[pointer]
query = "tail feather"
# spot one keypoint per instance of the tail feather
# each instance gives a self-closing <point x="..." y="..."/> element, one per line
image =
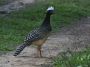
<point x="20" y="49"/>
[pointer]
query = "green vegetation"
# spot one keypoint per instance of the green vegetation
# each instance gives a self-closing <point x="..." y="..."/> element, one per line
<point x="16" y="25"/>
<point x="2" y="2"/>
<point x="77" y="59"/>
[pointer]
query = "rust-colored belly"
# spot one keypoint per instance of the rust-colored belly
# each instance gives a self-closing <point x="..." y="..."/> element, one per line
<point x="39" y="42"/>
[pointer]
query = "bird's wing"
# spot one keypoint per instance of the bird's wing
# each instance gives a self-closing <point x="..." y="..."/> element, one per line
<point x="33" y="36"/>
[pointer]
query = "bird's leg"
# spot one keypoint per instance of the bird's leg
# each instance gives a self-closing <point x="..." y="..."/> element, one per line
<point x="39" y="51"/>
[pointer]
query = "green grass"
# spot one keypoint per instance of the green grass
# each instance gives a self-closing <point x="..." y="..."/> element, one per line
<point x="16" y="25"/>
<point x="2" y="2"/>
<point x="76" y="59"/>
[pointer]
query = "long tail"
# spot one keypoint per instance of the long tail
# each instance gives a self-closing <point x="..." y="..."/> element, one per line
<point x="20" y="49"/>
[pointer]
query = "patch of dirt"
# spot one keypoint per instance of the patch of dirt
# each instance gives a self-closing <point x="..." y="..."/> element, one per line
<point x="75" y="38"/>
<point x="15" y="5"/>
<point x="27" y="1"/>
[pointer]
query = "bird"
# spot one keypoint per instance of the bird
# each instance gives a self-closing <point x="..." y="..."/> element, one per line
<point x="39" y="35"/>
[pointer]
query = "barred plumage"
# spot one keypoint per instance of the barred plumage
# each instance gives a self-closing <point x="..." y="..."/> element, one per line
<point x="19" y="49"/>
<point x="37" y="36"/>
<point x="32" y="36"/>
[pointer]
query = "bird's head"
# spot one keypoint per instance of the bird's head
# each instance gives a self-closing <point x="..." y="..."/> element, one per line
<point x="50" y="10"/>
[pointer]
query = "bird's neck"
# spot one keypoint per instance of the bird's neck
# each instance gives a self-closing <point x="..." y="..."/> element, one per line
<point x="46" y="21"/>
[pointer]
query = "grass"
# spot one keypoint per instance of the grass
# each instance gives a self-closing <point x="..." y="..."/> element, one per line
<point x="16" y="25"/>
<point x="2" y="2"/>
<point x="76" y="59"/>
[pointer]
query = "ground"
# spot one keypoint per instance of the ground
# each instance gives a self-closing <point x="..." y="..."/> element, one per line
<point x="15" y="5"/>
<point x="75" y="37"/>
